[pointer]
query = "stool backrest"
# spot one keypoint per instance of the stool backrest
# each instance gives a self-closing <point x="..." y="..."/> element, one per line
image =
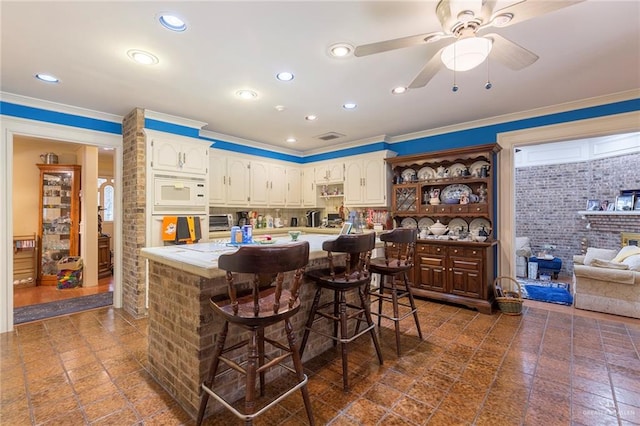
<point x="399" y="246"/>
<point x="268" y="264"/>
<point x="357" y="248"/>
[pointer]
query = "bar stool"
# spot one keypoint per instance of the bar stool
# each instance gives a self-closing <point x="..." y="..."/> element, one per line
<point x="341" y="278"/>
<point x="399" y="248"/>
<point x="262" y="305"/>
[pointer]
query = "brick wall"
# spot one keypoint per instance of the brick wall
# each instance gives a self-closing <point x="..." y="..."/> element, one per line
<point x="134" y="212"/>
<point x="549" y="197"/>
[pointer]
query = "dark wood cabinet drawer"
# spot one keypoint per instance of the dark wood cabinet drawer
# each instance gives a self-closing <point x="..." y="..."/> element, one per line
<point x="431" y="249"/>
<point x="465" y="252"/>
<point x="478" y="208"/>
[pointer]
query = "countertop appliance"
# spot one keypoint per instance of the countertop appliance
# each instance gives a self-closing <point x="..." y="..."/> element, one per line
<point x="220" y="222"/>
<point x="313" y="218"/>
<point x="243" y="218"/>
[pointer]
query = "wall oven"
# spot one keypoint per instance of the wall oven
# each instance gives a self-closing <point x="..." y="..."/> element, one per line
<point x="179" y="194"/>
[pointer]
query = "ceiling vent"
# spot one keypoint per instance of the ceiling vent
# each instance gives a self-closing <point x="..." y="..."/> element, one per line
<point x="330" y="136"/>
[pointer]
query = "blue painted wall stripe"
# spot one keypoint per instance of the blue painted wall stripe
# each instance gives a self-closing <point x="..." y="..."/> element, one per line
<point x="39" y="114"/>
<point x="470" y="137"/>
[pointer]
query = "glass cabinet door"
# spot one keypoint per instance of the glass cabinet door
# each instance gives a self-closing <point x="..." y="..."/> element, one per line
<point x="405" y="199"/>
<point x="59" y="218"/>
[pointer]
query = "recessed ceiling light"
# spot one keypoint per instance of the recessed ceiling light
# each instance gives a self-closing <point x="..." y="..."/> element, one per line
<point x="107" y="148"/>
<point x="291" y="140"/>
<point x="172" y="22"/>
<point x="340" y="50"/>
<point x="311" y="117"/>
<point x="48" y="78"/>
<point x="349" y="105"/>
<point x="399" y="90"/>
<point x="142" y="57"/>
<point x="284" y="76"/>
<point x="502" y="20"/>
<point x="280" y="108"/>
<point x="246" y="94"/>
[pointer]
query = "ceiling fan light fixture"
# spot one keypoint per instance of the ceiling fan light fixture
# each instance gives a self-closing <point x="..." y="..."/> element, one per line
<point x="466" y="53"/>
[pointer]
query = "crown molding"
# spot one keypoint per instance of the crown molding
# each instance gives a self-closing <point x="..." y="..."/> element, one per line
<point x="537" y="112"/>
<point x="168" y="118"/>
<point x="58" y="107"/>
<point x="248" y="143"/>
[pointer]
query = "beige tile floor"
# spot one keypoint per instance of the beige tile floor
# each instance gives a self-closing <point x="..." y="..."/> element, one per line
<point x="553" y="365"/>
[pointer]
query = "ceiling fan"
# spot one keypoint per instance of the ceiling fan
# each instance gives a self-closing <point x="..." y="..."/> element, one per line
<point x="464" y="20"/>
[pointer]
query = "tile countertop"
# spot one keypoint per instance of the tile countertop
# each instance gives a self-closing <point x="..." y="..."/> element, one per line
<point x="202" y="258"/>
<point x="277" y="231"/>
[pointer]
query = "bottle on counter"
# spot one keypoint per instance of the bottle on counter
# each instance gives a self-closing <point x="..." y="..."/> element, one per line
<point x="247" y="234"/>
<point x="236" y="235"/>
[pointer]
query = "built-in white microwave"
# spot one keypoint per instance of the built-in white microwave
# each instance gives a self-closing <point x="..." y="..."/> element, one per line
<point x="178" y="193"/>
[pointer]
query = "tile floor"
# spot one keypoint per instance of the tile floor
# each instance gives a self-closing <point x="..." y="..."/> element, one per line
<point x="553" y="365"/>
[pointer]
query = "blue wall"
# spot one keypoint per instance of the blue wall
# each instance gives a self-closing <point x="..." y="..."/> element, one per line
<point x="476" y="136"/>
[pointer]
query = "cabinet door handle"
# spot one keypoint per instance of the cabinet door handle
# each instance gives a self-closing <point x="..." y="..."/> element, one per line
<point x="184" y="158"/>
<point x="224" y="180"/>
<point x="229" y="180"/>
<point x="455" y="251"/>
<point x="475" y="252"/>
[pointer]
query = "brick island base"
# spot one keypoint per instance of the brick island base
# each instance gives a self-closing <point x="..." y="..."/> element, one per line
<point x="183" y="330"/>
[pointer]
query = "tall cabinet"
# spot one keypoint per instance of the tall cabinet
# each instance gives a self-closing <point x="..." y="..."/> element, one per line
<point x="59" y="218"/>
<point x="456" y="188"/>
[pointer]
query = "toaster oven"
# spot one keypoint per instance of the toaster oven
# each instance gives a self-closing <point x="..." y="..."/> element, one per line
<point x="220" y="222"/>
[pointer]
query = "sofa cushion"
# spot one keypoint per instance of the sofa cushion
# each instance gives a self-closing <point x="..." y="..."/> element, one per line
<point x="522" y="247"/>
<point x="598" y="253"/>
<point x="633" y="262"/>
<point x="608" y="264"/>
<point x="614" y="276"/>
<point x="625" y="252"/>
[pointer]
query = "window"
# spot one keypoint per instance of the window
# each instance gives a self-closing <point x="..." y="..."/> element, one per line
<point x="105" y="198"/>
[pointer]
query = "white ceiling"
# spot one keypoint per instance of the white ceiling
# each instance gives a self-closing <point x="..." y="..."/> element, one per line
<point x="586" y="50"/>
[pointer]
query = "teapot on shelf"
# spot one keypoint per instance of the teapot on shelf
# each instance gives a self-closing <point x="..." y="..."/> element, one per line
<point x="442" y="172"/>
<point x="438" y="228"/>
<point x="49" y="158"/>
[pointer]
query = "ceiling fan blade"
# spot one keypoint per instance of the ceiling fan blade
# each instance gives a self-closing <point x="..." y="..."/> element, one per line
<point x="528" y="9"/>
<point x="428" y="72"/>
<point x="509" y="53"/>
<point x="398" y="43"/>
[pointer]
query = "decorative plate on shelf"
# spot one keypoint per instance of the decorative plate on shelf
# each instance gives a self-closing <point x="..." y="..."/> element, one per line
<point x="408" y="175"/>
<point x="456" y="169"/>
<point x="474" y="169"/>
<point x="478" y="223"/>
<point x="458" y="223"/>
<point x="409" y="222"/>
<point x="426" y="173"/>
<point x="453" y="192"/>
<point x="425" y="222"/>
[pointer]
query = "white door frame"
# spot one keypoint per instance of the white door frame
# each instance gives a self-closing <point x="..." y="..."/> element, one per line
<point x="582" y="129"/>
<point x="11" y="127"/>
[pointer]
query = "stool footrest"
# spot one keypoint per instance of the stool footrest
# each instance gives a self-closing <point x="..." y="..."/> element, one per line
<point x="250" y="417"/>
<point x="389" y="297"/>
<point x="400" y="318"/>
<point x="342" y="339"/>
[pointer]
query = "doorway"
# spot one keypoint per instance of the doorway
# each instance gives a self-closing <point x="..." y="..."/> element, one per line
<point x="25" y="203"/>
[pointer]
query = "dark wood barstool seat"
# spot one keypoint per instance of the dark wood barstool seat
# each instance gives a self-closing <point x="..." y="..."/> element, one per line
<point x="265" y="302"/>
<point x="352" y="275"/>
<point x="399" y="249"/>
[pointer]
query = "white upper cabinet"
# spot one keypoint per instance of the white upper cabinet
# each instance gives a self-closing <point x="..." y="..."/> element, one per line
<point x="309" y="198"/>
<point x="178" y="154"/>
<point x="293" y="197"/>
<point x="367" y="180"/>
<point x="228" y="180"/>
<point x="326" y="173"/>
<point x="268" y="184"/>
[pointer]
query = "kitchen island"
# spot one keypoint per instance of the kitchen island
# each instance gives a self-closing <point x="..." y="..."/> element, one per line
<point x="183" y="328"/>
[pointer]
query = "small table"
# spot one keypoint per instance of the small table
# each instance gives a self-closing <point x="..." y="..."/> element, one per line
<point x="548" y="265"/>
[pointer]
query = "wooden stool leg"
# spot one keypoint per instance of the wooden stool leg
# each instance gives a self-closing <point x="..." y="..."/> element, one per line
<point x="336" y="314"/>
<point x="312" y="317"/>
<point x="381" y="291"/>
<point x="215" y="361"/>
<point x="344" y="331"/>
<point x="413" y="304"/>
<point x="370" y="322"/>
<point x="261" y="358"/>
<point x="297" y="365"/>
<point x="252" y="367"/>
<point x="396" y="311"/>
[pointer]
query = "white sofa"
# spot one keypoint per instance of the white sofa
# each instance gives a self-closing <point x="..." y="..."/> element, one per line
<point x="608" y="281"/>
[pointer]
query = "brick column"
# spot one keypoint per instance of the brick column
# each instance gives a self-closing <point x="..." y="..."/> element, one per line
<point x="134" y="212"/>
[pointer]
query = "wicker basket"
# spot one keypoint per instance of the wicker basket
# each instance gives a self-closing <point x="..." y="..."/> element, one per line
<point x="509" y="301"/>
